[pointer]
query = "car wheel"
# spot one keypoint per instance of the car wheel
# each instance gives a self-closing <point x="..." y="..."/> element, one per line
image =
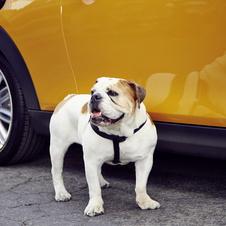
<point x="18" y="140"/>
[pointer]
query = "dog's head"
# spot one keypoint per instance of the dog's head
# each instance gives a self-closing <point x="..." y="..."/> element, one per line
<point x="114" y="99"/>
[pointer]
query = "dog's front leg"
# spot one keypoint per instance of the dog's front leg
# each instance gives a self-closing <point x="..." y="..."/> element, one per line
<point x="57" y="153"/>
<point x="95" y="205"/>
<point x="143" y="168"/>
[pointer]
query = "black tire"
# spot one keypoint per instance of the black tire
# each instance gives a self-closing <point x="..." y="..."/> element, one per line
<point x="18" y="140"/>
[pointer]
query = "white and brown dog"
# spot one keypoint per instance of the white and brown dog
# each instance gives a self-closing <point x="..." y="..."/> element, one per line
<point x="112" y="126"/>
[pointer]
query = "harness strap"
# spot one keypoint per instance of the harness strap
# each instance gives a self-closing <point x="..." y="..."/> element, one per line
<point x="116" y="140"/>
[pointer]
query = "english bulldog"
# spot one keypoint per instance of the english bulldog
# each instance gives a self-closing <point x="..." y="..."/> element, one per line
<point x="113" y="127"/>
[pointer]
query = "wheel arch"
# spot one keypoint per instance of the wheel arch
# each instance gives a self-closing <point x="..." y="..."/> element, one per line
<point x="12" y="54"/>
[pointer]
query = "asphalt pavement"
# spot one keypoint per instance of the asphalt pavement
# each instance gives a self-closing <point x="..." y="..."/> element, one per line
<point x="191" y="191"/>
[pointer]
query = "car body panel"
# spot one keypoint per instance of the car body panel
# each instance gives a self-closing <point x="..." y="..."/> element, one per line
<point x="199" y="99"/>
<point x="175" y="49"/>
<point x="12" y="55"/>
<point x="35" y="27"/>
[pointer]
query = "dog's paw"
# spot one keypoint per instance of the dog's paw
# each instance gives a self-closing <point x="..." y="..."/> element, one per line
<point x="105" y="185"/>
<point x="148" y="204"/>
<point x="63" y="196"/>
<point x="94" y="209"/>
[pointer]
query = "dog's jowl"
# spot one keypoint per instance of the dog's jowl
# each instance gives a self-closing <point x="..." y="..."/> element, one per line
<point x="112" y="126"/>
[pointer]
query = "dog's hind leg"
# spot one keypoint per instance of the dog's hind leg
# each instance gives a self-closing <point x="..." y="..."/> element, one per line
<point x="103" y="182"/>
<point x="57" y="153"/>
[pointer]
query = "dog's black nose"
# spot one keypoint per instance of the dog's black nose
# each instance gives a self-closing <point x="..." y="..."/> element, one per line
<point x="96" y="97"/>
<point x="95" y="102"/>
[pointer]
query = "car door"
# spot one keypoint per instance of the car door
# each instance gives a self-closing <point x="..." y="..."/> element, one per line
<point x="174" y="49"/>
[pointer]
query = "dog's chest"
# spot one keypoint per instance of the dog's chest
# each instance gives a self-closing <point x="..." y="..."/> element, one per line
<point x="134" y="148"/>
<point x="128" y="152"/>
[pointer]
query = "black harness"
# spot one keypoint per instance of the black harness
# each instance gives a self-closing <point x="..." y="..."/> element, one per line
<point x="116" y="140"/>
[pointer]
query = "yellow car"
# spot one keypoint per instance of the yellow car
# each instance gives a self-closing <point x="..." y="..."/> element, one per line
<point x="174" y="49"/>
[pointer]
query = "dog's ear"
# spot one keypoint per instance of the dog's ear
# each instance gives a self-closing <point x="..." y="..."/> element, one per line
<point x="138" y="90"/>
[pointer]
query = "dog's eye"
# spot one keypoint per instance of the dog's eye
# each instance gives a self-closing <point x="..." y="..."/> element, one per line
<point x="112" y="93"/>
<point x="92" y="92"/>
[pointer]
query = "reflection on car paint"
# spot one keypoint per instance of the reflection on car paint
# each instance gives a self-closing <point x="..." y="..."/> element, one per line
<point x="88" y="2"/>
<point x="199" y="95"/>
<point x="17" y="5"/>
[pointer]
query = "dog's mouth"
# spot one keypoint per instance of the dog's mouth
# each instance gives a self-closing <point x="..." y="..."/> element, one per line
<point x="98" y="118"/>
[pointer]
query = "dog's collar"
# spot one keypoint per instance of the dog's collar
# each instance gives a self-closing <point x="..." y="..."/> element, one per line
<point x="116" y="140"/>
